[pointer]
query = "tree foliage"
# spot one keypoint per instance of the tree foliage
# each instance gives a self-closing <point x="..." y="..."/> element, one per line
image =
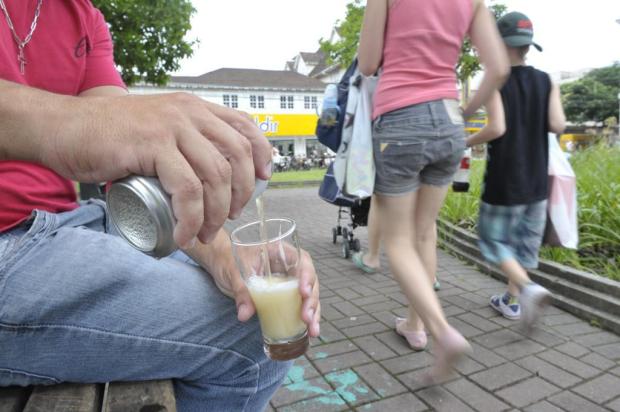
<point x="148" y="36"/>
<point x="469" y="64"/>
<point x="594" y="97"/>
<point x="344" y="50"/>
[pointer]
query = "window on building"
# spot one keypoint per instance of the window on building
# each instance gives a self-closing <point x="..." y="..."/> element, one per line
<point x="231" y="100"/>
<point x="257" y="102"/>
<point x="287" y="102"/>
<point x="310" y="102"/>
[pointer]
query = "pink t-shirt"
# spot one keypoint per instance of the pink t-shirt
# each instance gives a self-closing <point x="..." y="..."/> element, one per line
<point x="422" y="45"/>
<point x="70" y="52"/>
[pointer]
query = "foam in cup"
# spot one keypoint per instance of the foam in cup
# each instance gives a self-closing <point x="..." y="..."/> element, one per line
<point x="278" y="304"/>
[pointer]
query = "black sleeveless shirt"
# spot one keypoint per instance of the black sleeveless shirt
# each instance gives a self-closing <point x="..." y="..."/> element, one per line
<point x="517" y="162"/>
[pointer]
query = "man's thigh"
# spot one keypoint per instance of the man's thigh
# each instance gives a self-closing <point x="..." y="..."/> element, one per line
<point x="77" y="304"/>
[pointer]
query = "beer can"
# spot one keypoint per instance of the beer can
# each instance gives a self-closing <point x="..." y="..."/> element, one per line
<point x="140" y="210"/>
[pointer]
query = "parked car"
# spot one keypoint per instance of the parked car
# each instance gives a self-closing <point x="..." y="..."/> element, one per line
<point x="460" y="183"/>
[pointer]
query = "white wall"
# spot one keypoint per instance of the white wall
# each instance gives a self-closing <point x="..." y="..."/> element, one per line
<point x="272" y="98"/>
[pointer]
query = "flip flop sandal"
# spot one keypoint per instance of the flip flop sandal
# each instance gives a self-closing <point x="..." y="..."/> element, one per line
<point x="358" y="260"/>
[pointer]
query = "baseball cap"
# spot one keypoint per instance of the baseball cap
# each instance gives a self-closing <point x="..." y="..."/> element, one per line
<point x="517" y="30"/>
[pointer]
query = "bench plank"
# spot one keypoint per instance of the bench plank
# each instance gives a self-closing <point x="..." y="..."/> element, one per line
<point x="66" y="397"/>
<point x="153" y="396"/>
<point x="13" y="399"/>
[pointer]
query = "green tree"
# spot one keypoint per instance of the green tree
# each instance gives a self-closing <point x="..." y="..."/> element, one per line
<point x="593" y="97"/>
<point x="344" y="50"/>
<point x="469" y="64"/>
<point x="148" y="36"/>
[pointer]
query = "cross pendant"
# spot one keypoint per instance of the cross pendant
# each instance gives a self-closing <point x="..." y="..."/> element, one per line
<point x="22" y="60"/>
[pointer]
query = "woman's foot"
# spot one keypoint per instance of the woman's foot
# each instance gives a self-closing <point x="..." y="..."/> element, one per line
<point x="449" y="349"/>
<point x="416" y="338"/>
<point x="358" y="260"/>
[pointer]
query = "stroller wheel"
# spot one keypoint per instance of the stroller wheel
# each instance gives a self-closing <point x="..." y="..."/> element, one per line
<point x="356" y="245"/>
<point x="334" y="235"/>
<point x="346" y="252"/>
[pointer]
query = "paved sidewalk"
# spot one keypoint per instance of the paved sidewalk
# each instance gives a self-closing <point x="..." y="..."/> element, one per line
<point x="360" y="364"/>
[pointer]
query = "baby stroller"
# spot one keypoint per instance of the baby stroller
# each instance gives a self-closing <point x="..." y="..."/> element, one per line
<point x="355" y="208"/>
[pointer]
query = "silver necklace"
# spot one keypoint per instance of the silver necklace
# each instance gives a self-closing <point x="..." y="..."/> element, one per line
<point x="21" y="43"/>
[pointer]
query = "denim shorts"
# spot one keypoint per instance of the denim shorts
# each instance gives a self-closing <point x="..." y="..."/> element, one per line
<point x="512" y="232"/>
<point x="419" y="144"/>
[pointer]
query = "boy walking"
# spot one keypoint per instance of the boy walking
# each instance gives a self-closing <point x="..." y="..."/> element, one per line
<point x="513" y="209"/>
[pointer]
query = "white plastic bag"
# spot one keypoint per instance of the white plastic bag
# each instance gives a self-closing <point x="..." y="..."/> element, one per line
<point x="562" y="229"/>
<point x="360" y="172"/>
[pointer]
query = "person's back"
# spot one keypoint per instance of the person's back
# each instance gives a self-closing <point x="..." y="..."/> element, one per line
<point x="513" y="209"/>
<point x="517" y="162"/>
<point x="422" y="46"/>
<point x="418" y="141"/>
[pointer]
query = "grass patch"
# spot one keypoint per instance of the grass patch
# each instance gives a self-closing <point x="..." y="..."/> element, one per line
<point x="598" y="190"/>
<point x="298" y="175"/>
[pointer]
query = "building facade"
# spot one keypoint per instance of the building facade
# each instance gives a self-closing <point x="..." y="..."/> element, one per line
<point x="284" y="104"/>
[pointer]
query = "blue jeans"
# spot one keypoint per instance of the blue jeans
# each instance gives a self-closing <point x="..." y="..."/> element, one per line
<point x="80" y="305"/>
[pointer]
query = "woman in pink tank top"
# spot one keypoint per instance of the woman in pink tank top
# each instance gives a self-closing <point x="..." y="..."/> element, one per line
<point x="419" y="138"/>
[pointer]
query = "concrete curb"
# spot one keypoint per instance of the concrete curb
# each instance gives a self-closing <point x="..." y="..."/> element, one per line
<point x="590" y="297"/>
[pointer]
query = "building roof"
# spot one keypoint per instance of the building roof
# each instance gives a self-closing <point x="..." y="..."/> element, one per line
<point x="252" y="78"/>
<point x="312" y="58"/>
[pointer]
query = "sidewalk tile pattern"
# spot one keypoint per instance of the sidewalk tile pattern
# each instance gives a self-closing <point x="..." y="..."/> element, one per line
<point x="360" y="364"/>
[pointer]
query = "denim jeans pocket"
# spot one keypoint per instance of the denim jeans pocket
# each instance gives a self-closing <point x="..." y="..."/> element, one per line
<point x="399" y="157"/>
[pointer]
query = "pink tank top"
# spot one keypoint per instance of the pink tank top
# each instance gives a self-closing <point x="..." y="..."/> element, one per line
<point x="422" y="45"/>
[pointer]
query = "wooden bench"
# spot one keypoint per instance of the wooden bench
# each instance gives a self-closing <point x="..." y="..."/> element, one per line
<point x="151" y="396"/>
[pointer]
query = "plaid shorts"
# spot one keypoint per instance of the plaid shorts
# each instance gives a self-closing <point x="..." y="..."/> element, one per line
<point x="512" y="232"/>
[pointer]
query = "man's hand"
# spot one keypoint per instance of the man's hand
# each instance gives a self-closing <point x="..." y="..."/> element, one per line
<point x="217" y="259"/>
<point x="206" y="156"/>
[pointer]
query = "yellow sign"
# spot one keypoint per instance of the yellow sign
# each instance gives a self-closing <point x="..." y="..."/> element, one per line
<point x="275" y="125"/>
<point x="474" y="124"/>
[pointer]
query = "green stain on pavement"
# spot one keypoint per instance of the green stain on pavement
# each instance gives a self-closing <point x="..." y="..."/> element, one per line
<point x="296" y="373"/>
<point x="330" y="399"/>
<point x="321" y="355"/>
<point x="346" y="385"/>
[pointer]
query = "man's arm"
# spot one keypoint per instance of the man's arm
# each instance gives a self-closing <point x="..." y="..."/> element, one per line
<point x="205" y="155"/>
<point x="496" y="122"/>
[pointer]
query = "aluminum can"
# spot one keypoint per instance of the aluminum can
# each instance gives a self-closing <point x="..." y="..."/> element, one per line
<point x="140" y="211"/>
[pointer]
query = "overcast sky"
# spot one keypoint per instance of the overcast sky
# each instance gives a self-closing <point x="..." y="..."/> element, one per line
<point x="265" y="34"/>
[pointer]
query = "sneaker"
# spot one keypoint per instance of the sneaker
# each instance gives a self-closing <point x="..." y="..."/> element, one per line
<point x="436" y="285"/>
<point x="507" y="305"/>
<point x="533" y="299"/>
